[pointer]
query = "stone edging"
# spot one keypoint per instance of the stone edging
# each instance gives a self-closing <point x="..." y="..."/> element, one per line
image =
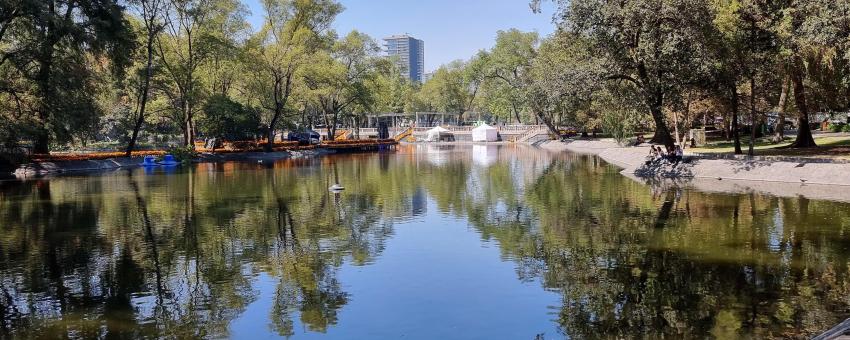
<point x="48" y="168"/>
<point x="771" y="158"/>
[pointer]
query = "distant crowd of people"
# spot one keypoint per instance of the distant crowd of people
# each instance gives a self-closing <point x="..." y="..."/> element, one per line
<point x="671" y="154"/>
<point x="657" y="153"/>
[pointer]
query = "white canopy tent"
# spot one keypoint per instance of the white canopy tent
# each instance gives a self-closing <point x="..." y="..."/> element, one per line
<point x="434" y="134"/>
<point x="485" y="133"/>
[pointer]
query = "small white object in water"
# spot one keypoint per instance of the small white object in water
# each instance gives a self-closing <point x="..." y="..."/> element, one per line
<point x="336" y="187"/>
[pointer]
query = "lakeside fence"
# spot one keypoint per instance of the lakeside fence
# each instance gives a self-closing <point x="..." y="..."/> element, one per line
<point x="503" y="129"/>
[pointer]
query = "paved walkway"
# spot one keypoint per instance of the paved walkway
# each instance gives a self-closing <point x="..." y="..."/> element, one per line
<point x="817" y="180"/>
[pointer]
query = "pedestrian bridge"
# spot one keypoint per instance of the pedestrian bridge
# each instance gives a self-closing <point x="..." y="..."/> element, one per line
<point x="508" y="133"/>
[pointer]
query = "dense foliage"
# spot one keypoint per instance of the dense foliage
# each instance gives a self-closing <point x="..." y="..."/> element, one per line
<point x="142" y="72"/>
<point x="676" y="56"/>
<point x="228" y="119"/>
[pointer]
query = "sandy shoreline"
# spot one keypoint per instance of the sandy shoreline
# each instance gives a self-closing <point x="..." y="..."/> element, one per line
<point x="815" y="180"/>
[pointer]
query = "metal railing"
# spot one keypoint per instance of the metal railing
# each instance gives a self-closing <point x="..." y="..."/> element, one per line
<point x="528" y="135"/>
<point x="407" y="132"/>
<point x="512" y="129"/>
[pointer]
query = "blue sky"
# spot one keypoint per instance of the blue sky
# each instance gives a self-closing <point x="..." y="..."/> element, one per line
<point x="451" y="29"/>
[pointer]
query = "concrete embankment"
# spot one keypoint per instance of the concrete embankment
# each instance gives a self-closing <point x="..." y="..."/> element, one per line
<point x="61" y="164"/>
<point x="46" y="168"/>
<point x="816" y="179"/>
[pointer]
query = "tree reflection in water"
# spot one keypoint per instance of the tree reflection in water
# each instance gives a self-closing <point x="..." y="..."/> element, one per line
<point x="131" y="255"/>
<point x="629" y="260"/>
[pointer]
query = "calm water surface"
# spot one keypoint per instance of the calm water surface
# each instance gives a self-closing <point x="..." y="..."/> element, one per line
<point x="452" y="242"/>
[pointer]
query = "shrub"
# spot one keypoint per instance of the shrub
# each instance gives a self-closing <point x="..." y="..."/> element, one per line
<point x="837" y="127"/>
<point x="845" y="128"/>
<point x="182" y="153"/>
<point x="616" y="123"/>
<point x="619" y="118"/>
<point x="228" y="119"/>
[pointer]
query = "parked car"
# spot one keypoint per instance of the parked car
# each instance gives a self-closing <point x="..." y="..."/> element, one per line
<point x="306" y="137"/>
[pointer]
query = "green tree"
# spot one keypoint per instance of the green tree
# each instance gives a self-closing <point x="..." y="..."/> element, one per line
<point x="507" y="71"/>
<point x="619" y="116"/>
<point x="453" y="88"/>
<point x="149" y="11"/>
<point x="745" y="46"/>
<point x="49" y="50"/>
<point x="813" y="34"/>
<point x="655" y="45"/>
<point x="393" y="91"/>
<point x="563" y="79"/>
<point x="276" y="56"/>
<point x="227" y="31"/>
<point x="339" y="79"/>
<point x="188" y="42"/>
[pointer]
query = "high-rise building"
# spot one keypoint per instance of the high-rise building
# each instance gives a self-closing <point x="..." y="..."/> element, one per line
<point x="409" y="53"/>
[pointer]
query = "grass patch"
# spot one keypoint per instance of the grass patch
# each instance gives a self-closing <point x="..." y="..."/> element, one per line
<point x="828" y="147"/>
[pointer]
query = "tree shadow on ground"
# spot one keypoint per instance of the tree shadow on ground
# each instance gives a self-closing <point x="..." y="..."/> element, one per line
<point x="739" y="165"/>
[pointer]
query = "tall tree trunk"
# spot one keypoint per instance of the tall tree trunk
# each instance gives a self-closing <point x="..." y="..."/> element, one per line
<point x="540" y="116"/>
<point x="143" y="100"/>
<point x="41" y="144"/>
<point x="516" y="115"/>
<point x="330" y="123"/>
<point x="190" y="132"/>
<point x="686" y="124"/>
<point x="270" y="132"/>
<point x="140" y="119"/>
<point x="662" y="133"/>
<point x="779" y="127"/>
<point x="804" y="131"/>
<point x="751" y="150"/>
<point x="282" y="88"/>
<point x="357" y="123"/>
<point x="736" y="134"/>
<point x="676" y="127"/>
<point x="45" y="88"/>
<point x="269" y="146"/>
<point x="184" y="125"/>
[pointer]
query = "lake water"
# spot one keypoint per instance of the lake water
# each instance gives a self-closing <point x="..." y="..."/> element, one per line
<point x="428" y="242"/>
